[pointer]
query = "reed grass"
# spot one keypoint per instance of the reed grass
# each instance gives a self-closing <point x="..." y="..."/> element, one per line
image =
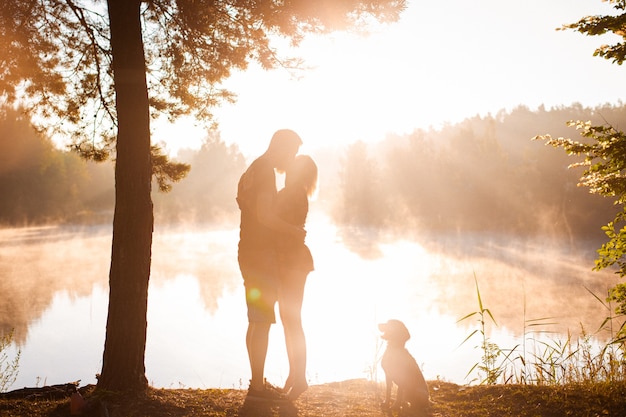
<point x="494" y="359"/>
<point x="544" y="358"/>
<point x="8" y="367"/>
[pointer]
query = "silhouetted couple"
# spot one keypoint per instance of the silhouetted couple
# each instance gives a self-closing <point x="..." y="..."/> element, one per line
<point x="274" y="259"/>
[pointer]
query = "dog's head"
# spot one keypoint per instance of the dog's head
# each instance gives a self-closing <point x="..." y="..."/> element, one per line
<point x="394" y="331"/>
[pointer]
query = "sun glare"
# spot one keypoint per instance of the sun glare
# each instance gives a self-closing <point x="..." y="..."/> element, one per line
<point x="346" y="297"/>
<point x="354" y="87"/>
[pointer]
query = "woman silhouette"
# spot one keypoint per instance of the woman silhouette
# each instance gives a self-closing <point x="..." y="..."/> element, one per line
<point x="295" y="263"/>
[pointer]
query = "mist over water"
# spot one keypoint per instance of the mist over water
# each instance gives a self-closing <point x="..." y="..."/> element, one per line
<point x="54" y="290"/>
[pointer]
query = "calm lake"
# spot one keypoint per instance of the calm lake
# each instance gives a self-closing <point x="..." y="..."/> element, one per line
<point x="53" y="282"/>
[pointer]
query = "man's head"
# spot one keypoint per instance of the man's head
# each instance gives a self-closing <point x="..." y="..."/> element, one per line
<point x="283" y="148"/>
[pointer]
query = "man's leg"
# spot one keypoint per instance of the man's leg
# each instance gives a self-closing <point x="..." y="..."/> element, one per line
<point x="257" y="339"/>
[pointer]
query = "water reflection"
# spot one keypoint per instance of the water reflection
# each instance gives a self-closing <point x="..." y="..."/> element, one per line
<point x="37" y="263"/>
<point x="54" y="286"/>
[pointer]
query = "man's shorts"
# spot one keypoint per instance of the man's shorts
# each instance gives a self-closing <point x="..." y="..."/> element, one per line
<point x="260" y="277"/>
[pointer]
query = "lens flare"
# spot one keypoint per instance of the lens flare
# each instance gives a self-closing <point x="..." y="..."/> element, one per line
<point x="254" y="294"/>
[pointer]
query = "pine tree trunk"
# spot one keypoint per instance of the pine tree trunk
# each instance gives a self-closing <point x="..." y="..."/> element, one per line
<point x="123" y="365"/>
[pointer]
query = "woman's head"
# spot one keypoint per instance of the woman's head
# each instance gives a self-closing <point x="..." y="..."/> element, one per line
<point x="303" y="173"/>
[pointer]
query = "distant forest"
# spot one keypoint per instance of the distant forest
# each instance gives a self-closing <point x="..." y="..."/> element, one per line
<point x="41" y="184"/>
<point x="484" y="174"/>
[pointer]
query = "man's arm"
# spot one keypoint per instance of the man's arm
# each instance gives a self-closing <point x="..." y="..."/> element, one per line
<point x="268" y="217"/>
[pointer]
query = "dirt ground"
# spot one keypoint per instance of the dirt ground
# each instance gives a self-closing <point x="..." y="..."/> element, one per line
<point x="358" y="398"/>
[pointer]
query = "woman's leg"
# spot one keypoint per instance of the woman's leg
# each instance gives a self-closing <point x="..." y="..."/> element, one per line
<point x="290" y="299"/>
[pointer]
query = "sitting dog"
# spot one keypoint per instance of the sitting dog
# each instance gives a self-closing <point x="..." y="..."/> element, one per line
<point x="402" y="369"/>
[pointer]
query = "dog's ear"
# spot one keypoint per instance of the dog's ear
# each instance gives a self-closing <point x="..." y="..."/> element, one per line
<point x="405" y="335"/>
<point x="405" y="332"/>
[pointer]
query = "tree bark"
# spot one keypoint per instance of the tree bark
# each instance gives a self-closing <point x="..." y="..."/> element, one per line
<point x="123" y="362"/>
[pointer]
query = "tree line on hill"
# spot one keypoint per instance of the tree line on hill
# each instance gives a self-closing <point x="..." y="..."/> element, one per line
<point x="484" y="174"/>
<point x="40" y="183"/>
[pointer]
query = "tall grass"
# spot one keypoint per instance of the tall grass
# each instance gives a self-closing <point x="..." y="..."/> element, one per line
<point x="491" y="366"/>
<point x="8" y="368"/>
<point x="542" y="358"/>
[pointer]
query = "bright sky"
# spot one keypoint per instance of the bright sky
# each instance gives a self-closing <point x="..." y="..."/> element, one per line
<point x="443" y="62"/>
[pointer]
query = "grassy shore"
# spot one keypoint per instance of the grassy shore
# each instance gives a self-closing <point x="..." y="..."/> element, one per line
<point x="358" y="398"/>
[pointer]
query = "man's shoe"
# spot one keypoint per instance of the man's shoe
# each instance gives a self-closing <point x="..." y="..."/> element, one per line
<point x="269" y="393"/>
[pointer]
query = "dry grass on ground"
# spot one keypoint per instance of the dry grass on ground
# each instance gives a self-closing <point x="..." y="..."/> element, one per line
<point x="358" y="398"/>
